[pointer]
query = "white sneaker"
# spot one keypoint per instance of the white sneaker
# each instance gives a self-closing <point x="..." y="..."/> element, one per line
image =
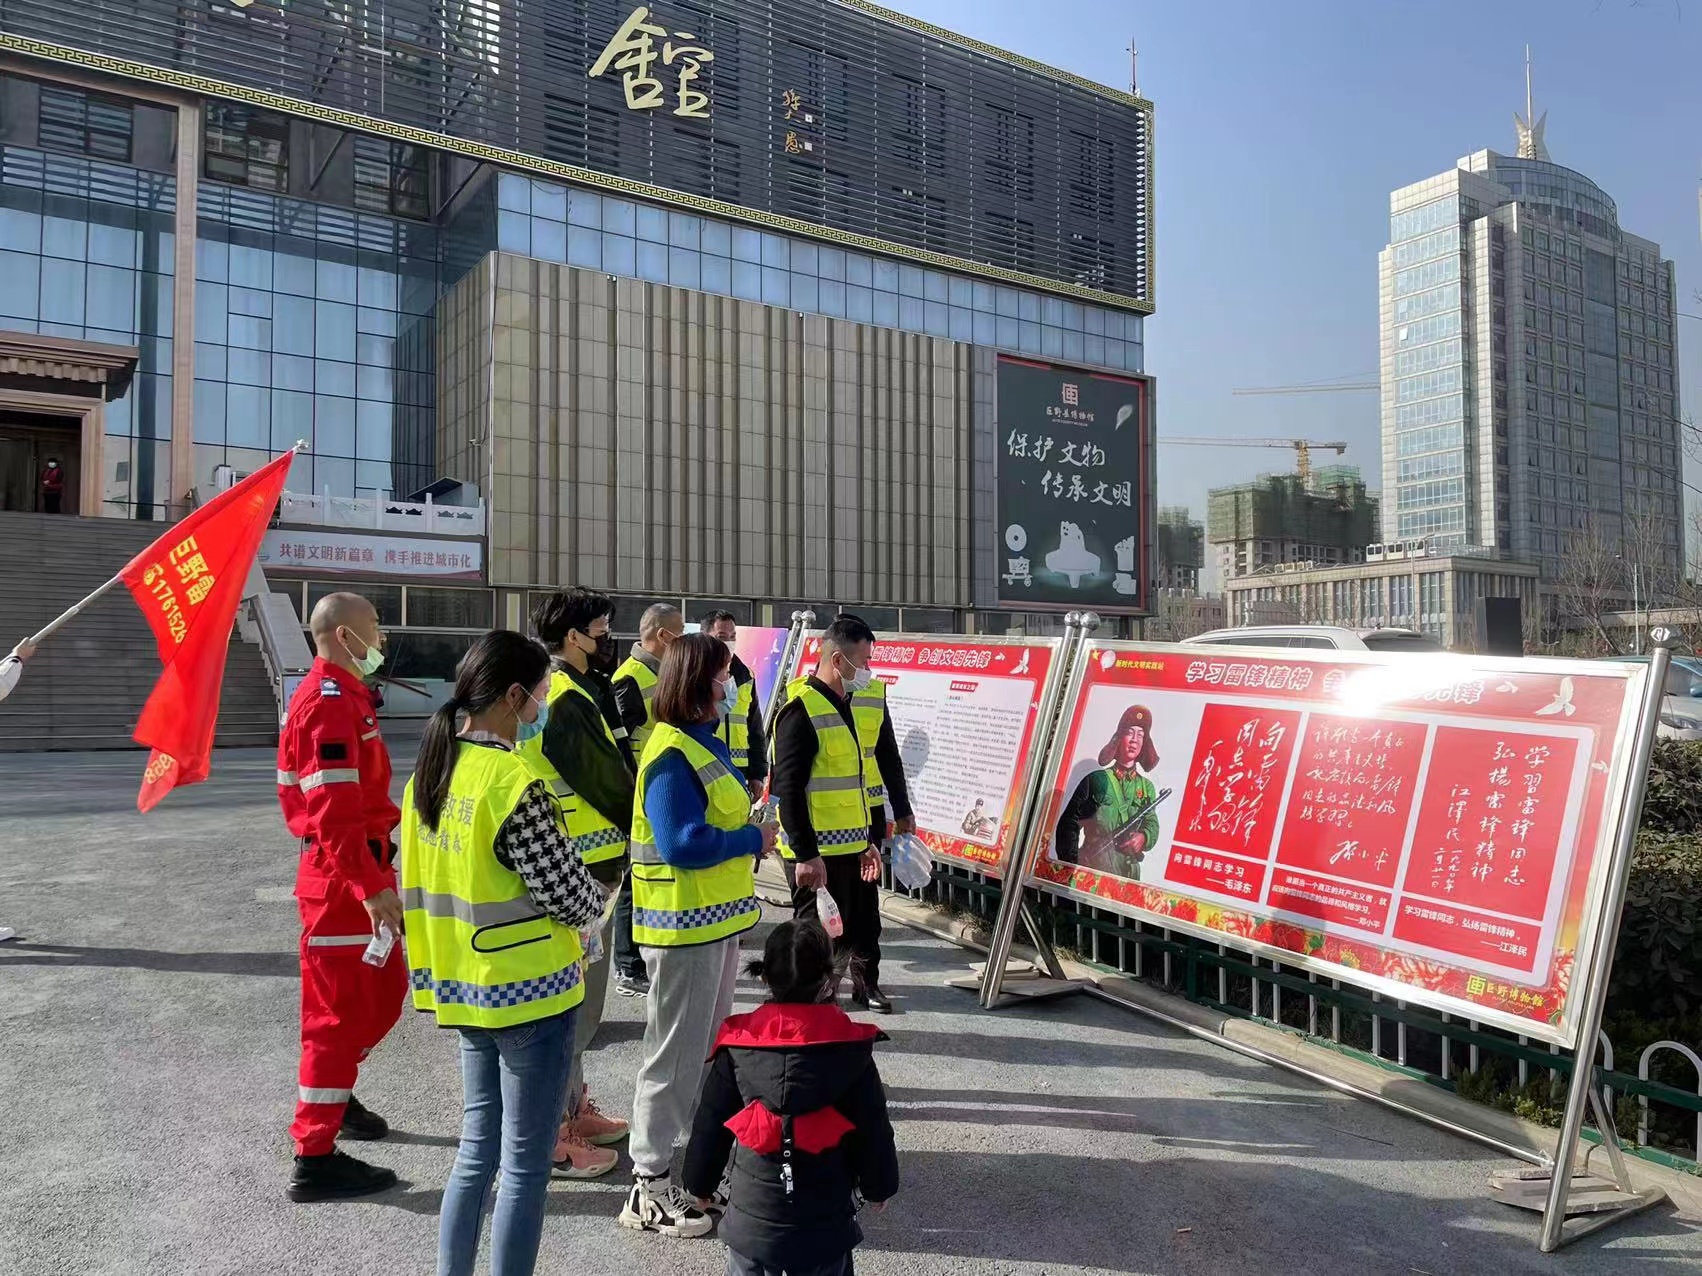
<point x="660" y="1205"/>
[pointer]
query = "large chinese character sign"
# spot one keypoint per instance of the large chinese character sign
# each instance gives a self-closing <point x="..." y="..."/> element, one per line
<point x="1432" y="827"/>
<point x="1073" y="471"/>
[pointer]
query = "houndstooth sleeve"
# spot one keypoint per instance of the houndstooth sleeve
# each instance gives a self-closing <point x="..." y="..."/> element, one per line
<point x="532" y="844"/>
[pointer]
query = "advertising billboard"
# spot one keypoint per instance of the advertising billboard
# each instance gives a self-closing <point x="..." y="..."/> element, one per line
<point x="1071" y="499"/>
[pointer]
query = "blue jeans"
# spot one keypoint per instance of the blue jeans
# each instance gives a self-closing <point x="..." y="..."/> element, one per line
<point x="513" y="1083"/>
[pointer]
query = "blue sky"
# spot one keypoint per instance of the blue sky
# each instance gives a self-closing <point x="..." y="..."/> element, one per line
<point x="1282" y="127"/>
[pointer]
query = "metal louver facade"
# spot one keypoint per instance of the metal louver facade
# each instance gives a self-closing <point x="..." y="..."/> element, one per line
<point x="833" y="118"/>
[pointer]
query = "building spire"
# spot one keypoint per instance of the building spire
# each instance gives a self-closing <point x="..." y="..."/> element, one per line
<point x="1529" y="127"/>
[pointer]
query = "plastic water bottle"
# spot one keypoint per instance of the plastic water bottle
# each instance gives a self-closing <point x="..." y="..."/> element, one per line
<point x="591" y="940"/>
<point x="378" y="949"/>
<point x="912" y="865"/>
<point x="827" y="912"/>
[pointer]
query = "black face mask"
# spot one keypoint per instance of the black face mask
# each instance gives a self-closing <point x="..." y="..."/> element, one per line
<point x="604" y="661"/>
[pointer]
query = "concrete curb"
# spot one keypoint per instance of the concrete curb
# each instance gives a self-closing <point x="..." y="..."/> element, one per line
<point x="1516" y="1136"/>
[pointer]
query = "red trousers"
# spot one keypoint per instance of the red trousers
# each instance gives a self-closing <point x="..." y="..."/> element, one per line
<point x="346" y="1007"/>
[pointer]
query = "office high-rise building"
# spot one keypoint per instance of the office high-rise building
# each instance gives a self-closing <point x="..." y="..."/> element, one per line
<point x="1530" y="396"/>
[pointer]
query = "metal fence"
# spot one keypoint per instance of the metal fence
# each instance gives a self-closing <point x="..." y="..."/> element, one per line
<point x="1458" y="1055"/>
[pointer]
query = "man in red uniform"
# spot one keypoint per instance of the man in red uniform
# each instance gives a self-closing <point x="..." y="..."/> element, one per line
<point x="334" y="784"/>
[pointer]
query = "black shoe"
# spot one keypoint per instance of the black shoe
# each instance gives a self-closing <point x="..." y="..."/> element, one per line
<point x="337" y="1176"/>
<point x="870" y="997"/>
<point x="361" y="1123"/>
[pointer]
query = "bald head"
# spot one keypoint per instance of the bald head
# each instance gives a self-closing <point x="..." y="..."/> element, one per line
<point x="344" y="627"/>
<point x="660" y="624"/>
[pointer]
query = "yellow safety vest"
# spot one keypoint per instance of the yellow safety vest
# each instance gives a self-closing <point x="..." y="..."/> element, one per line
<point x="676" y="907"/>
<point x="642" y="668"/>
<point x="736" y="729"/>
<point x="838" y="797"/>
<point x="481" y="953"/>
<point x="596" y="840"/>
<point x="868" y="708"/>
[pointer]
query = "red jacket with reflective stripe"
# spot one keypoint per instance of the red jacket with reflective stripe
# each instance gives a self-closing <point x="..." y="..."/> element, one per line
<point x="334" y="781"/>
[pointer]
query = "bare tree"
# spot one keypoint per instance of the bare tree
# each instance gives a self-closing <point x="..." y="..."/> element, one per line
<point x="1587" y="588"/>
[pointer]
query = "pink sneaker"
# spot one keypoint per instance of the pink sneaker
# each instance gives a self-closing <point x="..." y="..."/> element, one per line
<point x="593" y="1126"/>
<point x="574" y="1158"/>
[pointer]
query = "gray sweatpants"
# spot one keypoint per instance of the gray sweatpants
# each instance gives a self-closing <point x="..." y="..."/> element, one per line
<point x="590" y="1018"/>
<point x="691" y="992"/>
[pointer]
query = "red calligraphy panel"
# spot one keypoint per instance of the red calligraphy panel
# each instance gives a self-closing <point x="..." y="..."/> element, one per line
<point x="1352" y="800"/>
<point x="1241" y="760"/>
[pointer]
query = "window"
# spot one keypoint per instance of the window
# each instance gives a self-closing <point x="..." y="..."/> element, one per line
<point x="86" y="124"/>
<point x="431" y="607"/>
<point x="392" y="177"/>
<point x="246" y="147"/>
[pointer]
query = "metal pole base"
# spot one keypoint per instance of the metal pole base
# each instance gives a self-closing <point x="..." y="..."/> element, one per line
<point x="1022" y="982"/>
<point x="1593" y="1203"/>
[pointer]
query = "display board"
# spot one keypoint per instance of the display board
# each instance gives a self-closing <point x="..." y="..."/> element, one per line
<point x="964" y="711"/>
<point x="1435" y="828"/>
<point x="762" y="648"/>
<point x="1071" y="502"/>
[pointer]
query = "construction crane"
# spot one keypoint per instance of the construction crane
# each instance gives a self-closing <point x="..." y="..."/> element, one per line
<point x="1336" y="388"/>
<point x="1302" y="449"/>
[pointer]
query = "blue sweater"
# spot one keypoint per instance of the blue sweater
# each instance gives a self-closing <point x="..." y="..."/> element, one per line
<point x="677" y="807"/>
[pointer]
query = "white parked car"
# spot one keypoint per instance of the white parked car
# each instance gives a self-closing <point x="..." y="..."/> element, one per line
<point x="1319" y="637"/>
<point x="1681" y="710"/>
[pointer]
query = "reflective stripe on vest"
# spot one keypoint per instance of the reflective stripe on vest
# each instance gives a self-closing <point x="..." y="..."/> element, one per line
<point x="593" y="837"/>
<point x="642" y="668"/>
<point x="736" y="728"/>
<point x="481" y="953"/>
<point x="836" y="790"/>
<point x="675" y="907"/>
<point x="868" y="708"/>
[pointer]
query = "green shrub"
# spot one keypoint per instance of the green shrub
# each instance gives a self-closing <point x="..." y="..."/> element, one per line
<point x="1673" y="801"/>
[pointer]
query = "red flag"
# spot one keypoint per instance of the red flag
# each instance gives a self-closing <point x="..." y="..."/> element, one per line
<point x="188" y="584"/>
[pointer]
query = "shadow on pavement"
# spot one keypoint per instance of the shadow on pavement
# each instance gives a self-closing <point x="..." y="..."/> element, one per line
<point x="273" y="965"/>
<point x="1214" y="1217"/>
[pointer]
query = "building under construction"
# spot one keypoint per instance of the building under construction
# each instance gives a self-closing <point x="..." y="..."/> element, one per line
<point x="1181" y="548"/>
<point x="1285" y="518"/>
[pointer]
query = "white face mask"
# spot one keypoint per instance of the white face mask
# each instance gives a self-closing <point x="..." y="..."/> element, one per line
<point x="859" y="679"/>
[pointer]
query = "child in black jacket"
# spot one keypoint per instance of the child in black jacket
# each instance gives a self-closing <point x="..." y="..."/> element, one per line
<point x="793" y="1095"/>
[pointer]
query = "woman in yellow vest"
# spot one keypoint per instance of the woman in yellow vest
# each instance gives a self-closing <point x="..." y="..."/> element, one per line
<point x="694" y="852"/>
<point x="493" y="896"/>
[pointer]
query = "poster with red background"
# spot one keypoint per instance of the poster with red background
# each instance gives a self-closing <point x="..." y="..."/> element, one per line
<point x="1431" y="827"/>
<point x="963" y="711"/>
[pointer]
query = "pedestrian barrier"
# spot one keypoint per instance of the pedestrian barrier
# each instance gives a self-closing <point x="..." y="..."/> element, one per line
<point x="1420" y="857"/>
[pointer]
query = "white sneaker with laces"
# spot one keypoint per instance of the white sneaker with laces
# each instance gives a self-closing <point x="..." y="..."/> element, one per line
<point x="660" y="1205"/>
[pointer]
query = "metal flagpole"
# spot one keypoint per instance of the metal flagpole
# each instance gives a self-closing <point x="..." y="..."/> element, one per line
<point x="1012" y="905"/>
<point x="801" y="621"/>
<point x="68" y="616"/>
<point x="1583" y="1087"/>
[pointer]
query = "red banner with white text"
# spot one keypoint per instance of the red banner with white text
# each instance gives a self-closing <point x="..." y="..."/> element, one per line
<point x="963" y="711"/>
<point x="1432" y="827"/>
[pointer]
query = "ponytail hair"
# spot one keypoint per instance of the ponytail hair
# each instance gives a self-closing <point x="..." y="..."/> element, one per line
<point x="796" y="962"/>
<point x="494" y="663"/>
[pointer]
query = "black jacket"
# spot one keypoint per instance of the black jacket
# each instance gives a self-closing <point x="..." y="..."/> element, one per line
<point x="807" y="1071"/>
<point x="598" y="771"/>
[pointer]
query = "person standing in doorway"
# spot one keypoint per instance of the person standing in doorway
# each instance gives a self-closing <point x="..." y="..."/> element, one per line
<point x="694" y="852"/>
<point x="496" y="896"/>
<point x="828" y="830"/>
<point x="741" y="731"/>
<point x="591" y="776"/>
<point x="334" y="787"/>
<point x="52" y="487"/>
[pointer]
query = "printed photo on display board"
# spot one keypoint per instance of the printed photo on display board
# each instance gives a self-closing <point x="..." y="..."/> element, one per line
<point x="1435" y="823"/>
<point x="963" y="713"/>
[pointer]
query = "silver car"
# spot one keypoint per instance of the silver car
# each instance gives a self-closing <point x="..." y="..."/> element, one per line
<point x="1681" y="710"/>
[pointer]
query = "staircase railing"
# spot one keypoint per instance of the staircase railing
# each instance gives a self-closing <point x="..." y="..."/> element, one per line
<point x="270" y="621"/>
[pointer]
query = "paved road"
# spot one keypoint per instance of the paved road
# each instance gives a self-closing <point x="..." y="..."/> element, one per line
<point x="148" y="1072"/>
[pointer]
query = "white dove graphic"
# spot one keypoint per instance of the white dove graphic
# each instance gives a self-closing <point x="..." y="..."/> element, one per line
<point x="1562" y="703"/>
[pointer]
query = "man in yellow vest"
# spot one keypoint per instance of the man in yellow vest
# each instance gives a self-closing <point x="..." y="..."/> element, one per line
<point x="635" y="680"/>
<point x="591" y="775"/>
<point x="741" y="730"/>
<point x="827" y="827"/>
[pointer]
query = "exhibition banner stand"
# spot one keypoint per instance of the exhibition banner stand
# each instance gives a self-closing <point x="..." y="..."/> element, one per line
<point x="1451" y="831"/>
